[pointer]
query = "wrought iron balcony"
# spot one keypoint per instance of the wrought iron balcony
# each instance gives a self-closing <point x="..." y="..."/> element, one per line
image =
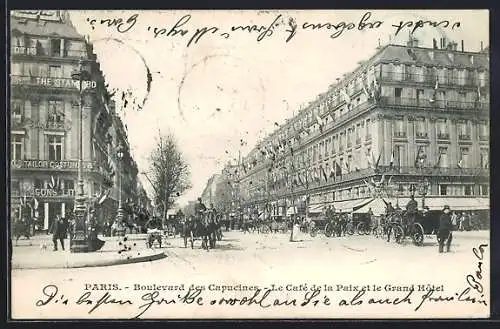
<point x="400" y="134"/>
<point x="430" y="79"/>
<point x="464" y="137"/>
<point x="46" y="52"/>
<point x="421" y="135"/>
<point x="444" y="136"/>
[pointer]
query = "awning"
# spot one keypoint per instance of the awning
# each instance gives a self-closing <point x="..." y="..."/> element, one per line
<point x="291" y="211"/>
<point x="350" y="205"/>
<point x="378" y="207"/>
<point x="316" y="208"/>
<point x="463" y="203"/>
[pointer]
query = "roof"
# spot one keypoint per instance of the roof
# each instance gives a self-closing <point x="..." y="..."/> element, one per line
<point x="44" y="28"/>
<point x="420" y="56"/>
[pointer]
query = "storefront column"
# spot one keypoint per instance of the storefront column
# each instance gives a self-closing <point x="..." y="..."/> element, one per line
<point x="63" y="209"/>
<point x="46" y="216"/>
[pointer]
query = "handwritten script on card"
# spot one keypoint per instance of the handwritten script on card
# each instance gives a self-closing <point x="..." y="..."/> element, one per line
<point x="185" y="27"/>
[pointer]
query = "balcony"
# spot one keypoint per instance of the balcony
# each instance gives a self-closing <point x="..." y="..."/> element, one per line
<point x="435" y="171"/>
<point x="56" y="125"/>
<point x="444" y="136"/>
<point x="399" y="102"/>
<point x="421" y="135"/>
<point x="464" y="137"/>
<point x="430" y="79"/>
<point x="400" y="134"/>
<point x="45" y="52"/>
<point x="50" y="82"/>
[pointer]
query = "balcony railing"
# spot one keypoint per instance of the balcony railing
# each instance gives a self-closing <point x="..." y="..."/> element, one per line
<point x="45" y="52"/>
<point x="55" y="124"/>
<point x="464" y="137"/>
<point x="422" y="102"/>
<point x="421" y="135"/>
<point x="50" y="82"/>
<point x="444" y="136"/>
<point x="400" y="134"/>
<point x="430" y="79"/>
<point x="435" y="171"/>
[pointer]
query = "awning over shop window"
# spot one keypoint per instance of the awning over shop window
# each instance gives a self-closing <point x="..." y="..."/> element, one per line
<point x="291" y="211"/>
<point x="350" y="205"/>
<point x="378" y="207"/>
<point x="458" y="203"/>
<point x="316" y="208"/>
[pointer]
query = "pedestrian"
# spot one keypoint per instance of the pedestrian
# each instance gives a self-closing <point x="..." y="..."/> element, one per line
<point x="445" y="230"/>
<point x="454" y="220"/>
<point x="58" y="230"/>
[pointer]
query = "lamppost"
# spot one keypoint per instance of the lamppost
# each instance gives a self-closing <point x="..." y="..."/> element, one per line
<point x="423" y="189"/>
<point x="79" y="240"/>
<point x="119" y="213"/>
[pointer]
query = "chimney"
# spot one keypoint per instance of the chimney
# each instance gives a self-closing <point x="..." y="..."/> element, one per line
<point x="434" y="43"/>
<point x="462" y="46"/>
<point x="481" y="46"/>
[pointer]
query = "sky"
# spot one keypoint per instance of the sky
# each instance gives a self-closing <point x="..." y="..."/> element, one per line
<point x="221" y="95"/>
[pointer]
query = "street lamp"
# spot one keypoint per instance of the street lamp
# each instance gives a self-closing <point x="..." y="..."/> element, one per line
<point x="119" y="213"/>
<point x="423" y="189"/>
<point x="79" y="241"/>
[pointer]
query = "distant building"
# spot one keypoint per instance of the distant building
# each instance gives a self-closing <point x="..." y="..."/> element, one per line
<point x="409" y="120"/>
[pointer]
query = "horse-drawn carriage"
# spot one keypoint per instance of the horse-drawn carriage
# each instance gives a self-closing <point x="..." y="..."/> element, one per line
<point x="402" y="225"/>
<point x="207" y="227"/>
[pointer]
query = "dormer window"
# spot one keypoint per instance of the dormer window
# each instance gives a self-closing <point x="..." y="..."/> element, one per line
<point x="431" y="55"/>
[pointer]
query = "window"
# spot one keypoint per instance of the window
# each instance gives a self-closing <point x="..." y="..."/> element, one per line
<point x="443" y="190"/>
<point x="55" y="47"/>
<point x="320" y="151"/>
<point x="483" y="131"/>
<point x="463" y="162"/>
<point x="15" y="188"/>
<point x="463" y="130"/>
<point x="398" y="92"/>
<point x="399" y="127"/>
<point x="420" y="127"/>
<point x="358" y="132"/>
<point x="485" y="189"/>
<point x="55" y="71"/>
<point x="484" y="158"/>
<point x="55" y="147"/>
<point x="443" y="157"/>
<point x="341" y="142"/>
<point x="56" y="111"/>
<point x="368" y="133"/>
<point x="442" y="129"/>
<point x="468" y="190"/>
<point x="69" y="184"/>
<point x="349" y="163"/>
<point x="327" y="146"/>
<point x="461" y="77"/>
<point x="398" y="155"/>
<point x="16" y="108"/>
<point x="17" y="142"/>
<point x="349" y="137"/>
<point x="420" y="95"/>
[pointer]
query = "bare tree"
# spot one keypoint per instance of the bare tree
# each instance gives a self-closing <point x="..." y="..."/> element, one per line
<point x="169" y="172"/>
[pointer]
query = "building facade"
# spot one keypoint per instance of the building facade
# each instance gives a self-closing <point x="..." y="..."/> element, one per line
<point x="409" y="120"/>
<point x="45" y="100"/>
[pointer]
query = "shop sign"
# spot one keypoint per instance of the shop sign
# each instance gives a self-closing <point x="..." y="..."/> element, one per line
<point x="48" y="164"/>
<point x="49" y="192"/>
<point x="46" y="15"/>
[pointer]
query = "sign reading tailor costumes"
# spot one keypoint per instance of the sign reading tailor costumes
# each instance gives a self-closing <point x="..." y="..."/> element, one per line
<point x="51" y="164"/>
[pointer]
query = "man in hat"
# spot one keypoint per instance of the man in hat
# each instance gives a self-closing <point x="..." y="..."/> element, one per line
<point x="445" y="230"/>
<point x="199" y="208"/>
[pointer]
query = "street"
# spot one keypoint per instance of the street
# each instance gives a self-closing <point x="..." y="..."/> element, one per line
<point x="267" y="259"/>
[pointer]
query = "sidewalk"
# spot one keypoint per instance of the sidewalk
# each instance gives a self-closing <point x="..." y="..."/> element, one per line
<point x="26" y="256"/>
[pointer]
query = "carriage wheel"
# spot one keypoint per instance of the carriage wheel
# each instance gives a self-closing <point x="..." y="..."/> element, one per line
<point x="328" y="230"/>
<point x="264" y="229"/>
<point x="398" y="234"/>
<point x="360" y="229"/>
<point x="418" y="234"/>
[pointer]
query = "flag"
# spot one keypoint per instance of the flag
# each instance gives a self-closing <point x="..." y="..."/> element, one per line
<point x="338" y="170"/>
<point x="391" y="164"/>
<point x="460" y="163"/>
<point x="346" y="97"/>
<point x="332" y="172"/>
<point x="436" y="86"/>
<point x="324" y="174"/>
<point x="365" y="90"/>
<point x="420" y="158"/>
<point x="438" y="160"/>
<point x="299" y="176"/>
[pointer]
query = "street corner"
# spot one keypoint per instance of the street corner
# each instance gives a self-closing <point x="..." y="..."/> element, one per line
<point x="66" y="259"/>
